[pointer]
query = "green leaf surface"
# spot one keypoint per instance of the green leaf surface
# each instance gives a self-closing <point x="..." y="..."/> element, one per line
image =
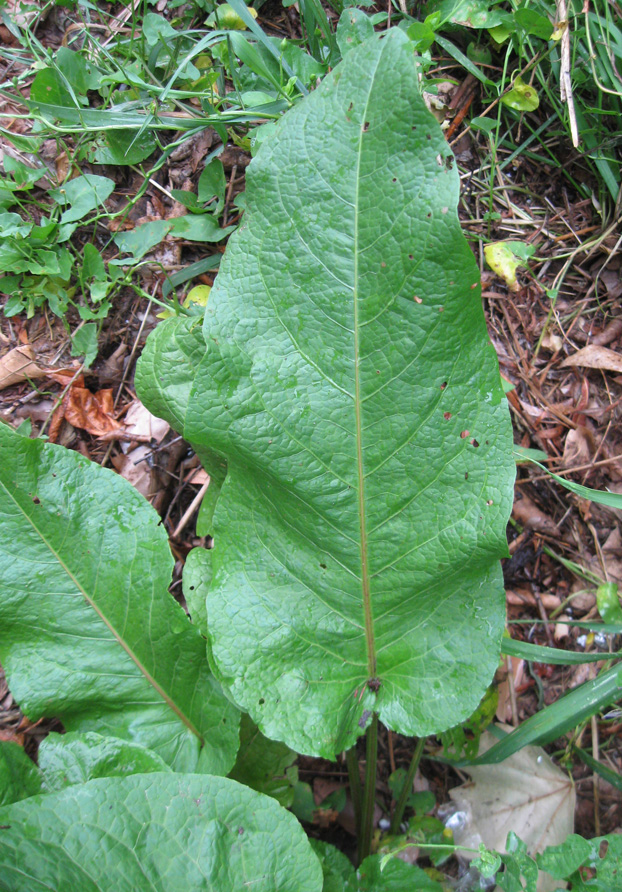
<point x="392" y="876"/>
<point x="84" y="194"/>
<point x="75" y="758"/>
<point x="261" y="763"/>
<point x="337" y="869"/>
<point x="88" y="630"/>
<point x="351" y="386"/>
<point x="157" y="833"/>
<point x="19" y="777"/>
<point x="195" y="582"/>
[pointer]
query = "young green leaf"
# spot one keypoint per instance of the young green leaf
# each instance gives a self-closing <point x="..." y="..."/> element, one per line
<point x="157" y="832"/>
<point x="83" y="195"/>
<point x="88" y="630"/>
<point x="350" y="384"/>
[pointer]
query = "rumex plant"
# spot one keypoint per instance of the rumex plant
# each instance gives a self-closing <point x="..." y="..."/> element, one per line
<point x="343" y="395"/>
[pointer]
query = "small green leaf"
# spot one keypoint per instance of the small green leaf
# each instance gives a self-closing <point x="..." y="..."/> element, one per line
<point x="19" y="777"/>
<point x="81" y="74"/>
<point x="353" y="28"/>
<point x="203" y="228"/>
<point x="393" y="876"/>
<point x="337" y="869"/>
<point x="50" y="88"/>
<point x="196" y="579"/>
<point x="13" y="225"/>
<point x="160" y="832"/>
<point x="533" y="23"/>
<point x="84" y="343"/>
<point x="75" y="758"/>
<point x="608" y="602"/>
<point x="123" y="147"/>
<point x="522" y="97"/>
<point x="84" y="194"/>
<point x="141" y="240"/>
<point x="212" y="183"/>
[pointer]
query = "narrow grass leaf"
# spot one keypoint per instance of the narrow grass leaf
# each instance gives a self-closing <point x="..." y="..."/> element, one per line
<point x="555" y="720"/>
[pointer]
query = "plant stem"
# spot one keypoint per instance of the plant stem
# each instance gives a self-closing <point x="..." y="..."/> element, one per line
<point x="356" y="792"/>
<point x="400" y="805"/>
<point x="369" y="791"/>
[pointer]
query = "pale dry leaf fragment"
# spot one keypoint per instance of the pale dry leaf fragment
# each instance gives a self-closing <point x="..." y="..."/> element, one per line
<point x="140" y="424"/>
<point x="595" y="357"/>
<point x="527" y="793"/>
<point x="531" y="517"/>
<point x="579" y="448"/>
<point x="18" y="365"/>
<point x="134" y="468"/>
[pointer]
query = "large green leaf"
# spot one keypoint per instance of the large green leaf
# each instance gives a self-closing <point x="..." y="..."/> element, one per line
<point x="350" y="385"/>
<point x="88" y="630"/>
<point x="78" y="757"/>
<point x="19" y="777"/>
<point x="157" y="833"/>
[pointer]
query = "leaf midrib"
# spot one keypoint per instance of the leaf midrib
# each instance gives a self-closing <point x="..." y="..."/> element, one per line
<point x="365" y="580"/>
<point x="123" y="644"/>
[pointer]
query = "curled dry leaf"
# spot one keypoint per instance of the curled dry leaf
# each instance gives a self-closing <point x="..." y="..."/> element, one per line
<point x="92" y="412"/>
<point x="595" y="357"/>
<point x="529" y="515"/>
<point x="18" y="365"/>
<point x="580" y="447"/>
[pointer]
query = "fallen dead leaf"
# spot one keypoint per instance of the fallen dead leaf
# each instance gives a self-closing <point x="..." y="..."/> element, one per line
<point x="595" y="357"/>
<point x="526" y="793"/>
<point x="134" y="468"/>
<point x="141" y="425"/>
<point x="529" y="515"/>
<point x="93" y="412"/>
<point x="579" y="448"/>
<point x="18" y="365"/>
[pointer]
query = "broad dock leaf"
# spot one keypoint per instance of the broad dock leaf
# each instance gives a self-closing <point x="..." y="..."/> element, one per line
<point x="88" y="630"/>
<point x="351" y="387"/>
<point x="157" y="833"/>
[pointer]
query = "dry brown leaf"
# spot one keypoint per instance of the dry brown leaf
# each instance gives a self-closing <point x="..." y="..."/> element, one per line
<point x="17" y="365"/>
<point x="530" y="516"/>
<point x="133" y="468"/>
<point x="595" y="357"/>
<point x="526" y="793"/>
<point x="93" y="412"/>
<point x="140" y="424"/>
<point x="7" y="736"/>
<point x="579" y="448"/>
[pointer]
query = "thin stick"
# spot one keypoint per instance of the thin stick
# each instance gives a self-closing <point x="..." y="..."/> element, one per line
<point x="369" y="791"/>
<point x="190" y="510"/>
<point x="356" y="790"/>
<point x="400" y="805"/>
